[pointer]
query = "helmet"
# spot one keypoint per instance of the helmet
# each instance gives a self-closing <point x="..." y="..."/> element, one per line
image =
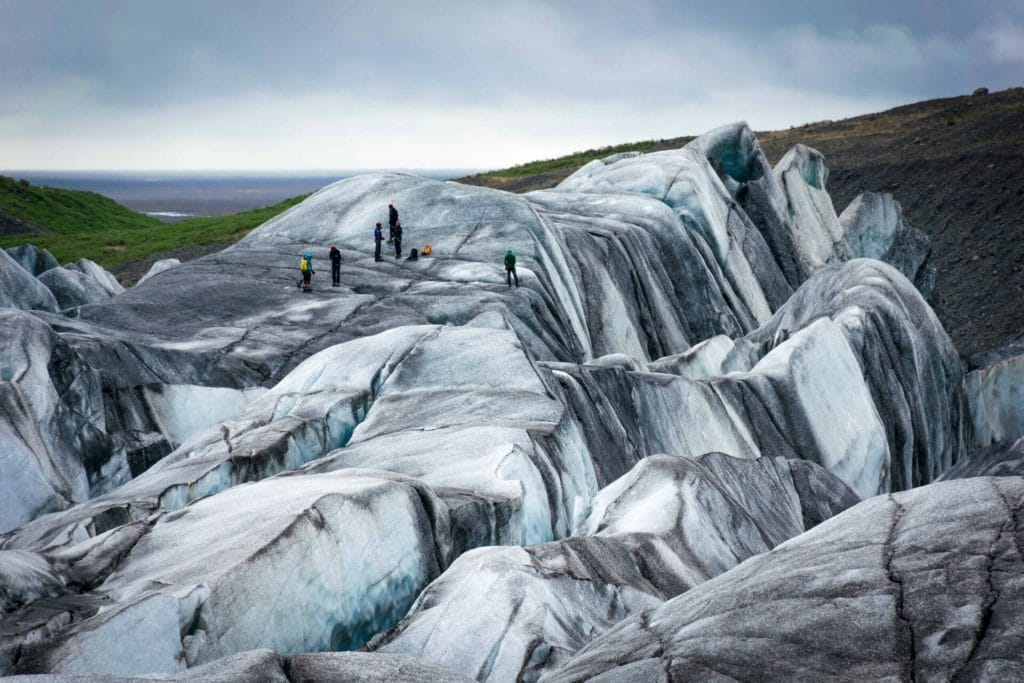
<point x="308" y="254"/>
<point x="378" y="224"/>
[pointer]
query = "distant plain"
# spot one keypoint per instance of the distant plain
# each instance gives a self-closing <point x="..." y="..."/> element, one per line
<point x="175" y="196"/>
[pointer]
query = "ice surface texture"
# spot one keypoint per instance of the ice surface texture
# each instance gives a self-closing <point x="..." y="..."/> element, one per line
<point x="855" y="345"/>
<point x="213" y="462"/>
<point x="925" y="584"/>
<point x="159" y="267"/>
<point x="75" y="284"/>
<point x="33" y="259"/>
<point x="52" y="430"/>
<point x="267" y="666"/>
<point x="669" y="524"/>
<point x="20" y="289"/>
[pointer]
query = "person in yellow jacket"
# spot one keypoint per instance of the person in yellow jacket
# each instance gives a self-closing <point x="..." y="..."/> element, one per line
<point x="306" y="268"/>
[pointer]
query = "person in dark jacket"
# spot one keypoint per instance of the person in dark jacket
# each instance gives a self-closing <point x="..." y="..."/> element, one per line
<point x="392" y="222"/>
<point x="377" y="239"/>
<point x="398" y="240"/>
<point x="510" y="268"/>
<point x="335" y="266"/>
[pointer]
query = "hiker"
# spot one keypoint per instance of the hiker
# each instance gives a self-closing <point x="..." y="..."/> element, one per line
<point x="335" y="266"/>
<point x="510" y="268"/>
<point x="398" y="240"/>
<point x="377" y="239"/>
<point x="306" y="268"/>
<point x="392" y="223"/>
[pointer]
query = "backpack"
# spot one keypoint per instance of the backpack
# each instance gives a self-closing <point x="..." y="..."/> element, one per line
<point x="426" y="250"/>
<point x="304" y="264"/>
<point x="413" y="256"/>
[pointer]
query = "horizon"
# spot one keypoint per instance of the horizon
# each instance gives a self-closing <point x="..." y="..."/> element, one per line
<point x="271" y="172"/>
<point x="317" y="172"/>
<point x="255" y="87"/>
<point x="236" y="173"/>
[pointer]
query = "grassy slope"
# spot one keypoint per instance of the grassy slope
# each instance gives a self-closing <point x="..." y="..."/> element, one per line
<point x="67" y="212"/>
<point x="574" y="160"/>
<point x="549" y="172"/>
<point x="89" y="225"/>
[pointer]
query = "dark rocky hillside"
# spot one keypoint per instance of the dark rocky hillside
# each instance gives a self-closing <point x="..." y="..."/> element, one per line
<point x="10" y="225"/>
<point x="957" y="167"/>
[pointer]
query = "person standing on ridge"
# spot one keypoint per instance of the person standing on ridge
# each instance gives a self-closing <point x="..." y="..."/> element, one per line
<point x="398" y="239"/>
<point x="306" y="268"/>
<point x="378" y="237"/>
<point x="392" y="222"/>
<point x="510" y="268"/>
<point x="335" y="266"/>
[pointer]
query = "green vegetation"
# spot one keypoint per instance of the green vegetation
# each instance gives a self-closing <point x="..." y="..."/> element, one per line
<point x="549" y="172"/>
<point x="89" y="225"/>
<point x="67" y="212"/>
<point x="573" y="161"/>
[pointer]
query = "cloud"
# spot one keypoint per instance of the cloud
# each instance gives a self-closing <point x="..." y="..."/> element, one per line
<point x="262" y="84"/>
<point x="875" y="58"/>
<point x="1005" y="43"/>
<point x="334" y="131"/>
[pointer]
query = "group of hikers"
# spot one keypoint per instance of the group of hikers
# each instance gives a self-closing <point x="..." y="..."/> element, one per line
<point x="394" y="237"/>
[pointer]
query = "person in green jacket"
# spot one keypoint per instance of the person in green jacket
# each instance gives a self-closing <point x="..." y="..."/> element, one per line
<point x="510" y="268"/>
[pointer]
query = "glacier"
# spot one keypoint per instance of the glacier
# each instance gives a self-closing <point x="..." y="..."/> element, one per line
<point x="920" y="584"/>
<point x="705" y="366"/>
<point x="671" y="523"/>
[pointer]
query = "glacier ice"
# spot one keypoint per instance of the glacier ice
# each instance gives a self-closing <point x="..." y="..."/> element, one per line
<point x="510" y="613"/>
<point x="182" y="410"/>
<point x="73" y="285"/>
<point x="33" y="259"/>
<point x="816" y="229"/>
<point x="874" y="227"/>
<point x="73" y="288"/>
<point x="117" y="641"/>
<point x="997" y="460"/>
<point x="343" y="555"/>
<point x="20" y="289"/>
<point x="268" y="666"/>
<point x="857" y="377"/>
<point x="98" y="274"/>
<point x="995" y="394"/>
<point x="53" y="426"/>
<point x="211" y="439"/>
<point x="920" y="584"/>
<point x="24" y="577"/>
<point x="159" y="267"/>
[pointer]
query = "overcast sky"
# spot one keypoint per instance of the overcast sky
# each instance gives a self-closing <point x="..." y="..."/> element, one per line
<point x="310" y="84"/>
